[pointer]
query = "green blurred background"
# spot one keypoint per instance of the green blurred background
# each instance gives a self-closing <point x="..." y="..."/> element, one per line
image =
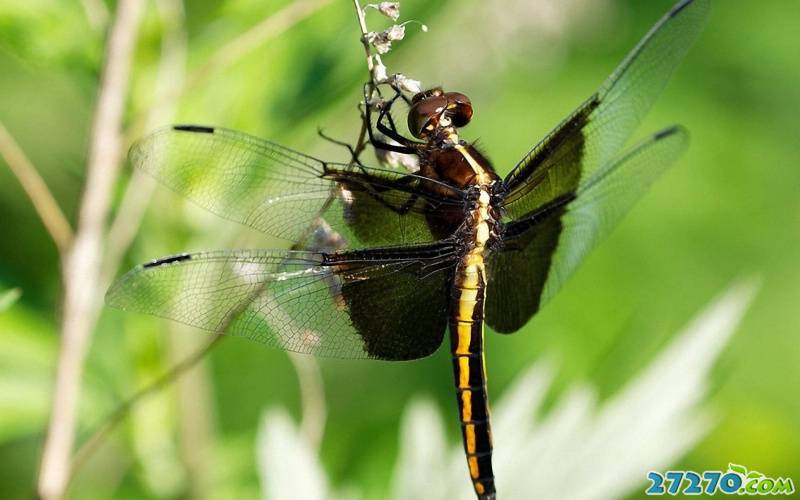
<point x="730" y="208"/>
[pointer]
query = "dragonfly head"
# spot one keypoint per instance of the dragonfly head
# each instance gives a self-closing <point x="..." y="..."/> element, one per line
<point x="434" y="109"/>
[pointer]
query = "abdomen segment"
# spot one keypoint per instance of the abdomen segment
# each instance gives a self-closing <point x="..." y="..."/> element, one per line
<point x="466" y="340"/>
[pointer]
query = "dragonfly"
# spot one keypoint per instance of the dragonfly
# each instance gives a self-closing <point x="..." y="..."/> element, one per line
<point x="450" y="246"/>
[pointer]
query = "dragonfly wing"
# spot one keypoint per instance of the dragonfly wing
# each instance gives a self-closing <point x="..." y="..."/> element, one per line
<point x="386" y="304"/>
<point x="282" y="192"/>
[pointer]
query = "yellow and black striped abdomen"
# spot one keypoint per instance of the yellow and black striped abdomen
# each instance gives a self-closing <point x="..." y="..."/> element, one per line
<point x="466" y="340"/>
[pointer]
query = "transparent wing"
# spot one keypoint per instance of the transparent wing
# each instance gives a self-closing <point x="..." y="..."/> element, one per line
<point x="281" y="192"/>
<point x="594" y="134"/>
<point x="381" y="304"/>
<point x="542" y="250"/>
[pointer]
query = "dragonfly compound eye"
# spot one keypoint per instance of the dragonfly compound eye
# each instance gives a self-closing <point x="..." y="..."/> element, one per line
<point x="425" y="112"/>
<point x="459" y="108"/>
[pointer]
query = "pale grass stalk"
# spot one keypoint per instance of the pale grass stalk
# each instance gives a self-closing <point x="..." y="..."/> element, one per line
<point x="312" y="394"/>
<point x="82" y="264"/>
<point x="46" y="206"/>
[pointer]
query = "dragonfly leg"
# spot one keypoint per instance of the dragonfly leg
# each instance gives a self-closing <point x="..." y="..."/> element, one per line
<point x="353" y="155"/>
<point x="391" y="130"/>
<point x="405" y="145"/>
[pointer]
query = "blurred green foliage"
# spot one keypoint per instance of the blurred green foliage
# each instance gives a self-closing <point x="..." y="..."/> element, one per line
<point x="731" y="207"/>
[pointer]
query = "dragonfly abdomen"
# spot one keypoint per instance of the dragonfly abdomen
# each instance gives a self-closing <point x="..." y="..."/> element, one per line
<point x="466" y="341"/>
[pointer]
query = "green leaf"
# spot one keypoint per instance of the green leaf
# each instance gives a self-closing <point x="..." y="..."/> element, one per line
<point x="9" y="297"/>
<point x="753" y="474"/>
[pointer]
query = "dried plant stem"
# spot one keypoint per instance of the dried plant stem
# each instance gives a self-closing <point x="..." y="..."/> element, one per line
<point x="312" y="394"/>
<point x="43" y="201"/>
<point x="361" y="142"/>
<point x="362" y="24"/>
<point x="81" y="269"/>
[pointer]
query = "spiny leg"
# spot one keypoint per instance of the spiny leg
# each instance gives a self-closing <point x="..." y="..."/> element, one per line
<point x="405" y="147"/>
<point x="354" y="157"/>
<point x="391" y="130"/>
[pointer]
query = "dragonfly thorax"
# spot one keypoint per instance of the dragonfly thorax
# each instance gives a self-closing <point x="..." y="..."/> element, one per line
<point x="460" y="165"/>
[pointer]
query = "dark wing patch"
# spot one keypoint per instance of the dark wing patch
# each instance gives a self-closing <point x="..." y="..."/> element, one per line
<point x="282" y="192"/>
<point x="409" y="298"/>
<point x="379" y="304"/>
<point x="518" y="272"/>
<point x="542" y="250"/>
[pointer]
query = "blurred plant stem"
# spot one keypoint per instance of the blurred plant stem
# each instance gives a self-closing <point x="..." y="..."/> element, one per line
<point x="110" y="423"/>
<point x="43" y="201"/>
<point x="169" y="79"/>
<point x="81" y="265"/>
<point x="232" y="52"/>
<point x="312" y="394"/>
<point x="96" y="13"/>
<point x="196" y="419"/>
